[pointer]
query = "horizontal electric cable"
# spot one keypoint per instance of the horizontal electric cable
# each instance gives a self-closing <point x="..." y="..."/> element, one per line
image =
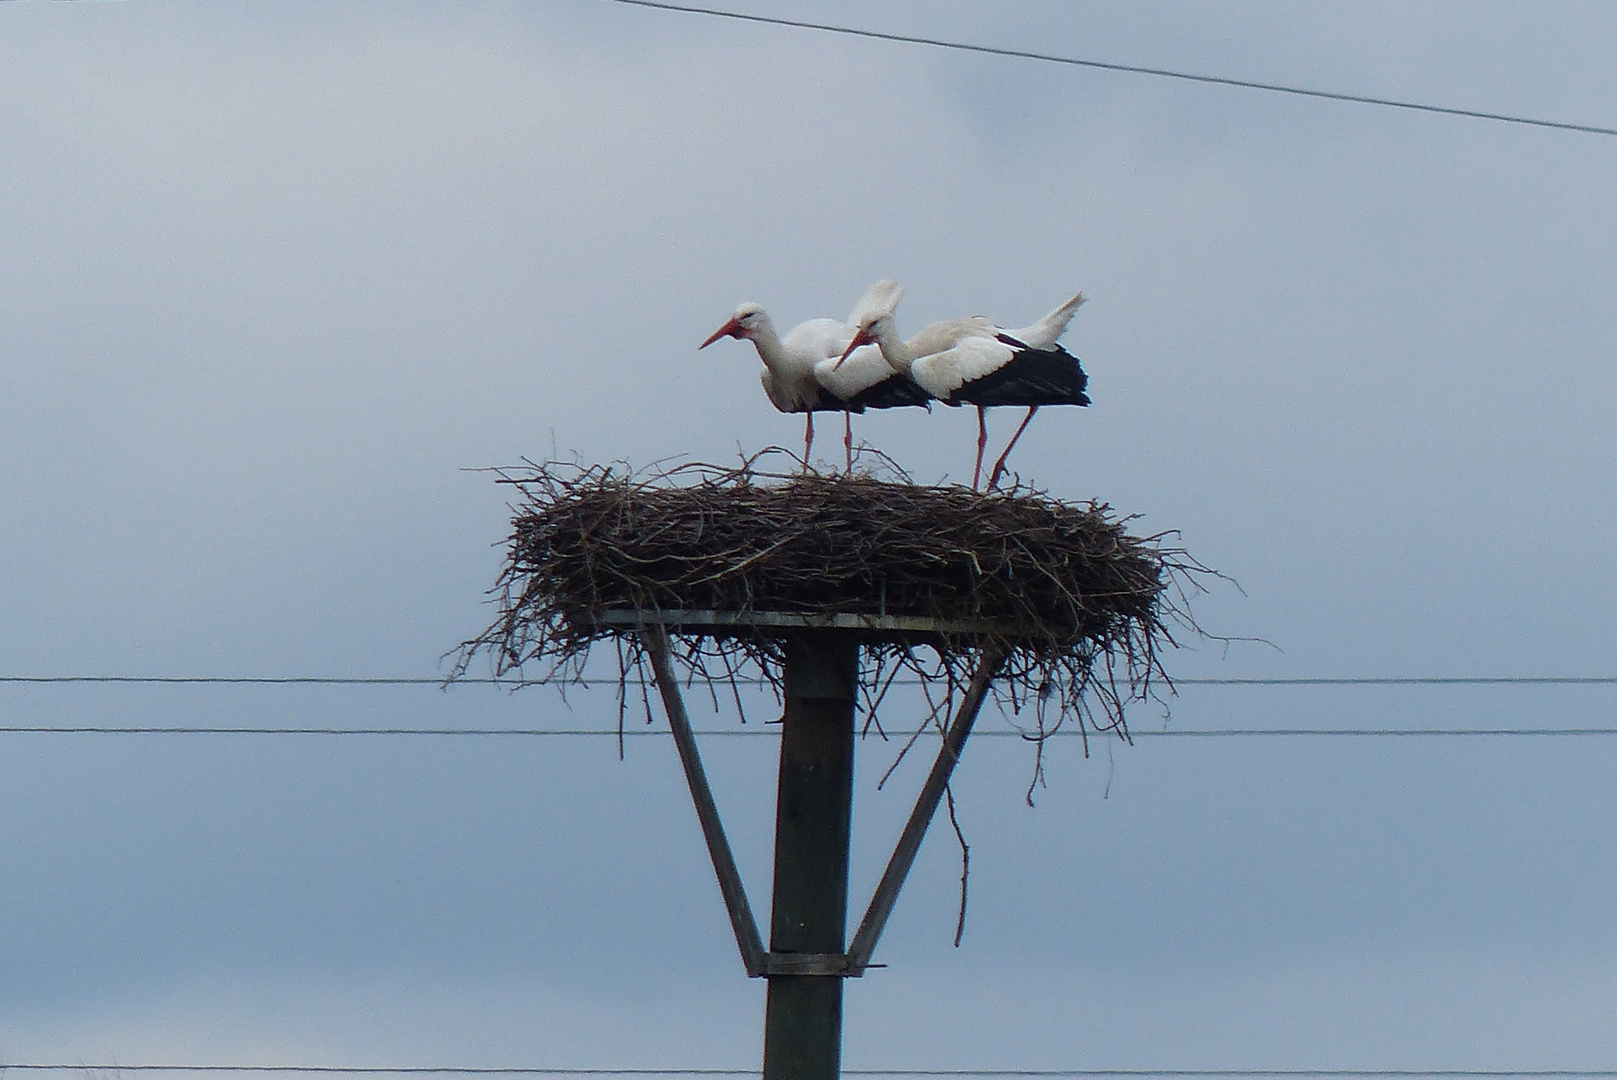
<point x="387" y="680"/>
<point x="473" y="1070"/>
<point x="774" y="729"/>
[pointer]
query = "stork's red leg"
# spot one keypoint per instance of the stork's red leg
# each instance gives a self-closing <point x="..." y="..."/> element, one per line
<point x="982" y="444"/>
<point x="847" y="437"/>
<point x="999" y="466"/>
<point x="808" y="440"/>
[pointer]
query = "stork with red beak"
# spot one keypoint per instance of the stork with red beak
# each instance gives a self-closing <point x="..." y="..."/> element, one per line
<point x="815" y="369"/>
<point x="972" y="361"/>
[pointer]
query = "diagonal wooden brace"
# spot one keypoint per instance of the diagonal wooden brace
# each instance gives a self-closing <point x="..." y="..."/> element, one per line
<point x="926" y="805"/>
<point x="707" y="811"/>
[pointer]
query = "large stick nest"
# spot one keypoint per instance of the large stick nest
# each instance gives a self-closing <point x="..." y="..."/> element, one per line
<point x="1078" y="606"/>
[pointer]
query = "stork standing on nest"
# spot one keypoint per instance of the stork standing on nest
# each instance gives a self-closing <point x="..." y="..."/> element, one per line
<point x="972" y="361"/>
<point x="814" y="368"/>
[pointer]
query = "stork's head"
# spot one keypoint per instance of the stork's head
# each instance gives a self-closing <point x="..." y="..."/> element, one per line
<point x="746" y="321"/>
<point x="868" y="332"/>
<point x="873" y="315"/>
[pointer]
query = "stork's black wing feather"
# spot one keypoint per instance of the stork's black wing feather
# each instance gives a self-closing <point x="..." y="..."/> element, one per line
<point x="894" y="393"/>
<point x="1032" y="377"/>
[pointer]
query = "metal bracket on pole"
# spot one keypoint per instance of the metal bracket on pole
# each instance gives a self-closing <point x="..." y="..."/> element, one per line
<point x="909" y="841"/>
<point x="836" y="965"/>
<point x="757" y="961"/>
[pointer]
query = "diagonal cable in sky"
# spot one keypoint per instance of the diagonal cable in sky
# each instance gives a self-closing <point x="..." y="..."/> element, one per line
<point x="1131" y="69"/>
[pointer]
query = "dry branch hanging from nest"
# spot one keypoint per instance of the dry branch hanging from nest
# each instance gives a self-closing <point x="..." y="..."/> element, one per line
<point x="1078" y="606"/>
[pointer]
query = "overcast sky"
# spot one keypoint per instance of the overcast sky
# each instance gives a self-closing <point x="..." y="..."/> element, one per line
<point x="276" y="276"/>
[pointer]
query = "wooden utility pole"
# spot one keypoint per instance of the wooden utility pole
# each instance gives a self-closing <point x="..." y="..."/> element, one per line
<point x="807" y="960"/>
<point x="813" y="816"/>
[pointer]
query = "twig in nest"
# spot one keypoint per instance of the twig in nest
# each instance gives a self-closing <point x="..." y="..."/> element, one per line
<point x="965" y="865"/>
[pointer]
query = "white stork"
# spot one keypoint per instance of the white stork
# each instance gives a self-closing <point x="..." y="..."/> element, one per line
<point x="960" y="361"/>
<point x="814" y="369"/>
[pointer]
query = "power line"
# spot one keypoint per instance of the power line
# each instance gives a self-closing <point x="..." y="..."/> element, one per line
<point x="455" y="1070"/>
<point x="364" y="680"/>
<point x="268" y="680"/>
<point x="458" y="1070"/>
<point x="1412" y="680"/>
<point x="773" y="730"/>
<point x="1131" y="69"/>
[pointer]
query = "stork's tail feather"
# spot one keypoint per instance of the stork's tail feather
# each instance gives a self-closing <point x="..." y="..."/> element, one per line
<point x="1048" y="330"/>
<point x="880" y="298"/>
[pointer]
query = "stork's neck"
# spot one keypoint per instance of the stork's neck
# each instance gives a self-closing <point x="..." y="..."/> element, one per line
<point x="894" y="349"/>
<point x="770" y="349"/>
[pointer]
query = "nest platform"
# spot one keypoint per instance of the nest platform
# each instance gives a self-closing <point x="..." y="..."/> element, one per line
<point x="829" y="585"/>
<point x="734" y="560"/>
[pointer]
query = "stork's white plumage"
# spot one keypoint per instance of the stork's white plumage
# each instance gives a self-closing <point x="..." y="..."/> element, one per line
<point x="961" y="361"/>
<point x="862" y="378"/>
<point x="802" y="373"/>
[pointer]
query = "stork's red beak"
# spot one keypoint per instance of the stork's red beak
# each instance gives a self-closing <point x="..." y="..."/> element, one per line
<point x="861" y="338"/>
<point x="729" y="329"/>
